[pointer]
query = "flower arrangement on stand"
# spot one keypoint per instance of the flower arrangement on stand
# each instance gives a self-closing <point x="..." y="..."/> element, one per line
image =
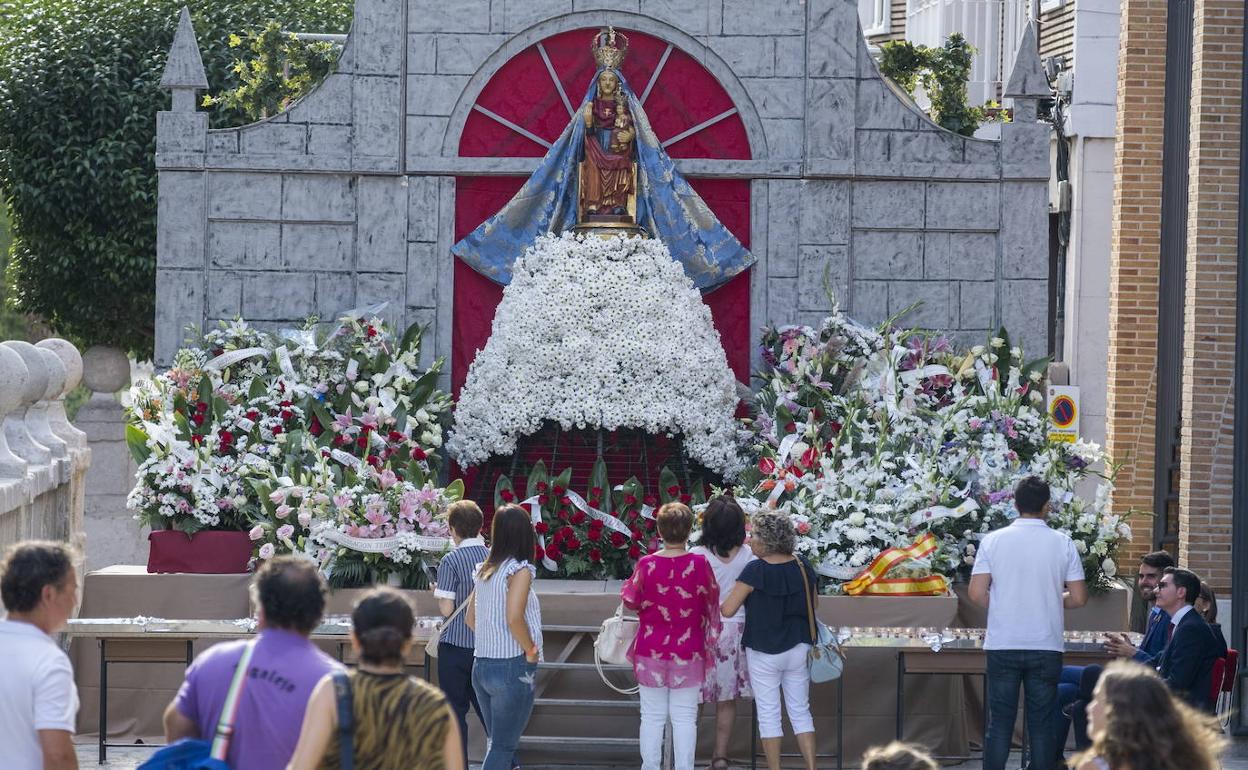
<point x="878" y="439"/>
<point x="288" y="436"/>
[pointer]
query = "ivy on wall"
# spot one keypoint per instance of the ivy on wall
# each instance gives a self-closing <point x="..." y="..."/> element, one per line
<point x="277" y="69"/>
<point x="79" y="93"/>
<point x="942" y="72"/>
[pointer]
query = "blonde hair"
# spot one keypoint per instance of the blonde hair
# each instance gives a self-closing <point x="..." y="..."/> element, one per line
<point x="1147" y="726"/>
<point x="675" y="522"/>
<point x="898" y="756"/>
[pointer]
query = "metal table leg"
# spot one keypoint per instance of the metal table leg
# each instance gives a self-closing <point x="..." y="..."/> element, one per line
<point x="840" y="722"/>
<point x="102" y="727"/>
<point x="901" y="694"/>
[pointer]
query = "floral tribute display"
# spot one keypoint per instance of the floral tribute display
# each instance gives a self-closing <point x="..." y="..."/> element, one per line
<point x="894" y="454"/>
<point x="314" y="442"/>
<point x="601" y="534"/>
<point x="597" y="333"/>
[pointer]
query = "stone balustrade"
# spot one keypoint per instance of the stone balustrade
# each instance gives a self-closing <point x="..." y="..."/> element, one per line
<point x="43" y="458"/>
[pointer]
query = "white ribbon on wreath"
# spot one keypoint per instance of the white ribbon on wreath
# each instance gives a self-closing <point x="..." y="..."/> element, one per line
<point x="385" y="544"/>
<point x="937" y="513"/>
<point x="535" y="515"/>
<point x="233" y="357"/>
<point x="646" y="511"/>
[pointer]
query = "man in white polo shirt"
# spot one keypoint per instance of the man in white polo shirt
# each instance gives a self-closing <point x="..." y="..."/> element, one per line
<point x="38" y="700"/>
<point x="1025" y="574"/>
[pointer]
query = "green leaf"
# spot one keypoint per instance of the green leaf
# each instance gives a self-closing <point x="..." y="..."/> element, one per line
<point x="536" y="476"/>
<point x="455" y="490"/>
<point x="136" y="440"/>
<point x="667" y="479"/>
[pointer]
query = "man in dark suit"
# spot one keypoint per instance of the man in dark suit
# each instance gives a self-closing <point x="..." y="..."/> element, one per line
<point x="1187" y="661"/>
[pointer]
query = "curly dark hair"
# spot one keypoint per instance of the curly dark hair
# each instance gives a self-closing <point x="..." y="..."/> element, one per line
<point x="1147" y="726"/>
<point x="723" y="525"/>
<point x="30" y="566"/>
<point x="292" y="593"/>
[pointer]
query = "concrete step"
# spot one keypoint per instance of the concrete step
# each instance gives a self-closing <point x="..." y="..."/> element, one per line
<point x="555" y="743"/>
<point x="583" y="667"/>
<point x="586" y="703"/>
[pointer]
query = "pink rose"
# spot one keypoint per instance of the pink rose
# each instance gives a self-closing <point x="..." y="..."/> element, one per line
<point x="256" y="532"/>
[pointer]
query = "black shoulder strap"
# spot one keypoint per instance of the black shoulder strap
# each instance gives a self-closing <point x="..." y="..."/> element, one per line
<point x="346" y="725"/>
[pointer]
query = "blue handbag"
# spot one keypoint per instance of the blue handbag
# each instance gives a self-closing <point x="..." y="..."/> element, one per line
<point x="825" y="661"/>
<point x="200" y="754"/>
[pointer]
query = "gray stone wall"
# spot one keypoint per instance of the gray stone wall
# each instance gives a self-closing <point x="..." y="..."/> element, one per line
<point x="348" y="197"/>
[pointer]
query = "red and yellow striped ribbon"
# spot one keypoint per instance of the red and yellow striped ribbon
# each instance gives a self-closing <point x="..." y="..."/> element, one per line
<point x="872" y="581"/>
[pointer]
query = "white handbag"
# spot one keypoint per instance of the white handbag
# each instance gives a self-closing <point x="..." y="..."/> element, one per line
<point x="612" y="644"/>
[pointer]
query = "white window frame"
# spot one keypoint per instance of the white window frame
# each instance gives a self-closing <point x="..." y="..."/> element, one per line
<point x="877" y="19"/>
<point x="1051" y="5"/>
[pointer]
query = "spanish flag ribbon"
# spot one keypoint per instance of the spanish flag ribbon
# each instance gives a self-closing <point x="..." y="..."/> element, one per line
<point x="872" y="581"/>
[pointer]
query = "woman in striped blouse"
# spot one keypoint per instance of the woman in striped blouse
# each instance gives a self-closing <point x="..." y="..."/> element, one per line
<point x="507" y="620"/>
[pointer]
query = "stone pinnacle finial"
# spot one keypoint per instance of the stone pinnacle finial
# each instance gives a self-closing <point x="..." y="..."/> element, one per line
<point x="184" y="71"/>
<point x="1027" y="84"/>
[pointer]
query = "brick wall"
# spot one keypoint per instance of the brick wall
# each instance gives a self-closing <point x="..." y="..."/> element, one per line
<point x="1134" y="249"/>
<point x="1209" y="312"/>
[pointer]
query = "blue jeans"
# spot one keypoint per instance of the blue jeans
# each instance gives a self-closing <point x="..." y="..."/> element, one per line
<point x="1037" y="672"/>
<point x="455" y="679"/>
<point x="504" y="688"/>
<point x="1067" y="694"/>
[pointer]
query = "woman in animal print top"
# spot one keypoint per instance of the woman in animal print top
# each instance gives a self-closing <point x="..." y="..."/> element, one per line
<point x="676" y="598"/>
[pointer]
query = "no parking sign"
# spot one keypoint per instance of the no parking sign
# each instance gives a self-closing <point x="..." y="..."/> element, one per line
<point x="1063" y="413"/>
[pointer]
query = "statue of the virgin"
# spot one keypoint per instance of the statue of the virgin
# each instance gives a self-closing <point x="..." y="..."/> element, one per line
<point x="608" y="173"/>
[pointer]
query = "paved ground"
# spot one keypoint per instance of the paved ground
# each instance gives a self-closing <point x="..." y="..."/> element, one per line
<point x="128" y="759"/>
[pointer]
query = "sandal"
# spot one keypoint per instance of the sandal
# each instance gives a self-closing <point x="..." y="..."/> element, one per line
<point x="719" y="763"/>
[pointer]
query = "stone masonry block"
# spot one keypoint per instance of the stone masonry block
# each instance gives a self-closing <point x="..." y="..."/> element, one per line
<point x="424" y="136"/>
<point x="441" y="16"/>
<point x="329" y="141"/>
<point x="692" y="16"/>
<point x="935" y="303"/>
<point x="179" y="306"/>
<point x="244" y="196"/>
<point x="275" y="139"/>
<point x="422" y="54"/>
<point x="375" y="115"/>
<point x="869" y="301"/>
<point x="925" y="147"/>
<point x="960" y="256"/>
<point x="464" y="54"/>
<point x="1025" y="150"/>
<point x="318" y="247"/>
<point x="279" y="296"/>
<point x="888" y="204"/>
<point x="871" y="146"/>
<point x="377" y="37"/>
<point x="434" y="94"/>
<point x="225" y="294"/>
<point x="776" y="97"/>
<point x="747" y="17"/>
<point x="749" y="57"/>
<point x="784" y="137"/>
<point x="223" y="142"/>
<point x="422" y="275"/>
<point x="318" y="198"/>
<point x="1025" y="230"/>
<point x="381" y="237"/>
<point x="783" y="221"/>
<point x="181" y="131"/>
<point x="879" y="106"/>
<point x="888" y="254"/>
<point x="180" y="207"/>
<point x="628" y="6"/>
<point x="422" y="209"/>
<point x="830" y="118"/>
<point x="248" y="245"/>
<point x="976" y="304"/>
<point x="427" y="317"/>
<point x="790" y="56"/>
<point x="1025" y="315"/>
<point x="335" y="294"/>
<point x="522" y="14"/>
<point x="330" y="102"/>
<point x="376" y="288"/>
<point x="822" y="269"/>
<point x="963" y="205"/>
<point x="782" y="301"/>
<point x="832" y="39"/>
<point x="824" y="211"/>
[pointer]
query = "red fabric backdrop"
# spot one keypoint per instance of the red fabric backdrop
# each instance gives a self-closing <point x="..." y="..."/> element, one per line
<point x="522" y="91"/>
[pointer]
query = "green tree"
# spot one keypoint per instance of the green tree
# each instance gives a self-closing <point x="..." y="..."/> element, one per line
<point x="943" y="73"/>
<point x="79" y="92"/>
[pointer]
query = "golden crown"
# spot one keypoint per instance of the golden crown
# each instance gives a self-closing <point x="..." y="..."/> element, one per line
<point x="609" y="48"/>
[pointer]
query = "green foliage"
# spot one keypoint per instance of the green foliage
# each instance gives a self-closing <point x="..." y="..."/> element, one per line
<point x="942" y="72"/>
<point x="79" y="92"/>
<point x="279" y="69"/>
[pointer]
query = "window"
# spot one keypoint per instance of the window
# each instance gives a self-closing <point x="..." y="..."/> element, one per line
<point x="1051" y="5"/>
<point x="874" y="15"/>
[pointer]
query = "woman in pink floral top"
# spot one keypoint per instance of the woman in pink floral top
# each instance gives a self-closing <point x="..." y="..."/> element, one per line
<point x="677" y="602"/>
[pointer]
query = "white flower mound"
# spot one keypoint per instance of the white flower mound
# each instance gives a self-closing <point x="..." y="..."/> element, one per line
<point x="599" y="333"/>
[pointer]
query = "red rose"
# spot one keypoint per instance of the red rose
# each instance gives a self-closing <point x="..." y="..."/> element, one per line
<point x="634" y="552"/>
<point x="287" y="414"/>
<point x="277" y="429"/>
<point x="373" y="460"/>
<point x="572" y="544"/>
<point x="818" y="414"/>
<point x="767" y="465"/>
<point x="633" y="515"/>
<point x="563" y="515"/>
<point x="543" y="499"/>
<point x="253" y="415"/>
<point x="505" y="494"/>
<point x="325" y="453"/>
<point x="790" y="428"/>
<point x="541" y="486"/>
<point x="673" y="490"/>
<point x="836" y="427"/>
<point x="198" y="419"/>
<point x="563" y="499"/>
<point x="650" y="500"/>
<point x="362" y="442"/>
<point x="595" y="555"/>
<point x="595" y="492"/>
<point x="594" y="502"/>
<point x="558" y="490"/>
<point x="394" y="435"/>
<point x="370" y="332"/>
<point x="578" y="517"/>
<point x="810" y="457"/>
<point x="630" y="500"/>
<point x="284" y="404"/>
<point x="649" y="525"/>
<point x="226" y="437"/>
<point x="686" y="499"/>
<point x="338" y="440"/>
<point x="565" y="533"/>
<point x="594" y="534"/>
<point x="541" y="527"/>
<point x="418" y="454"/>
<point x="636" y="531"/>
<point x="196" y="439"/>
<point x="315" y="428"/>
<point x="201" y="407"/>
<point x="618" y="539"/>
<point x="553" y="552"/>
<point x="596" y="524"/>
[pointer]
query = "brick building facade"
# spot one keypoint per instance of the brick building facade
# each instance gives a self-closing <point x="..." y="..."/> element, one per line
<point x="1176" y="327"/>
